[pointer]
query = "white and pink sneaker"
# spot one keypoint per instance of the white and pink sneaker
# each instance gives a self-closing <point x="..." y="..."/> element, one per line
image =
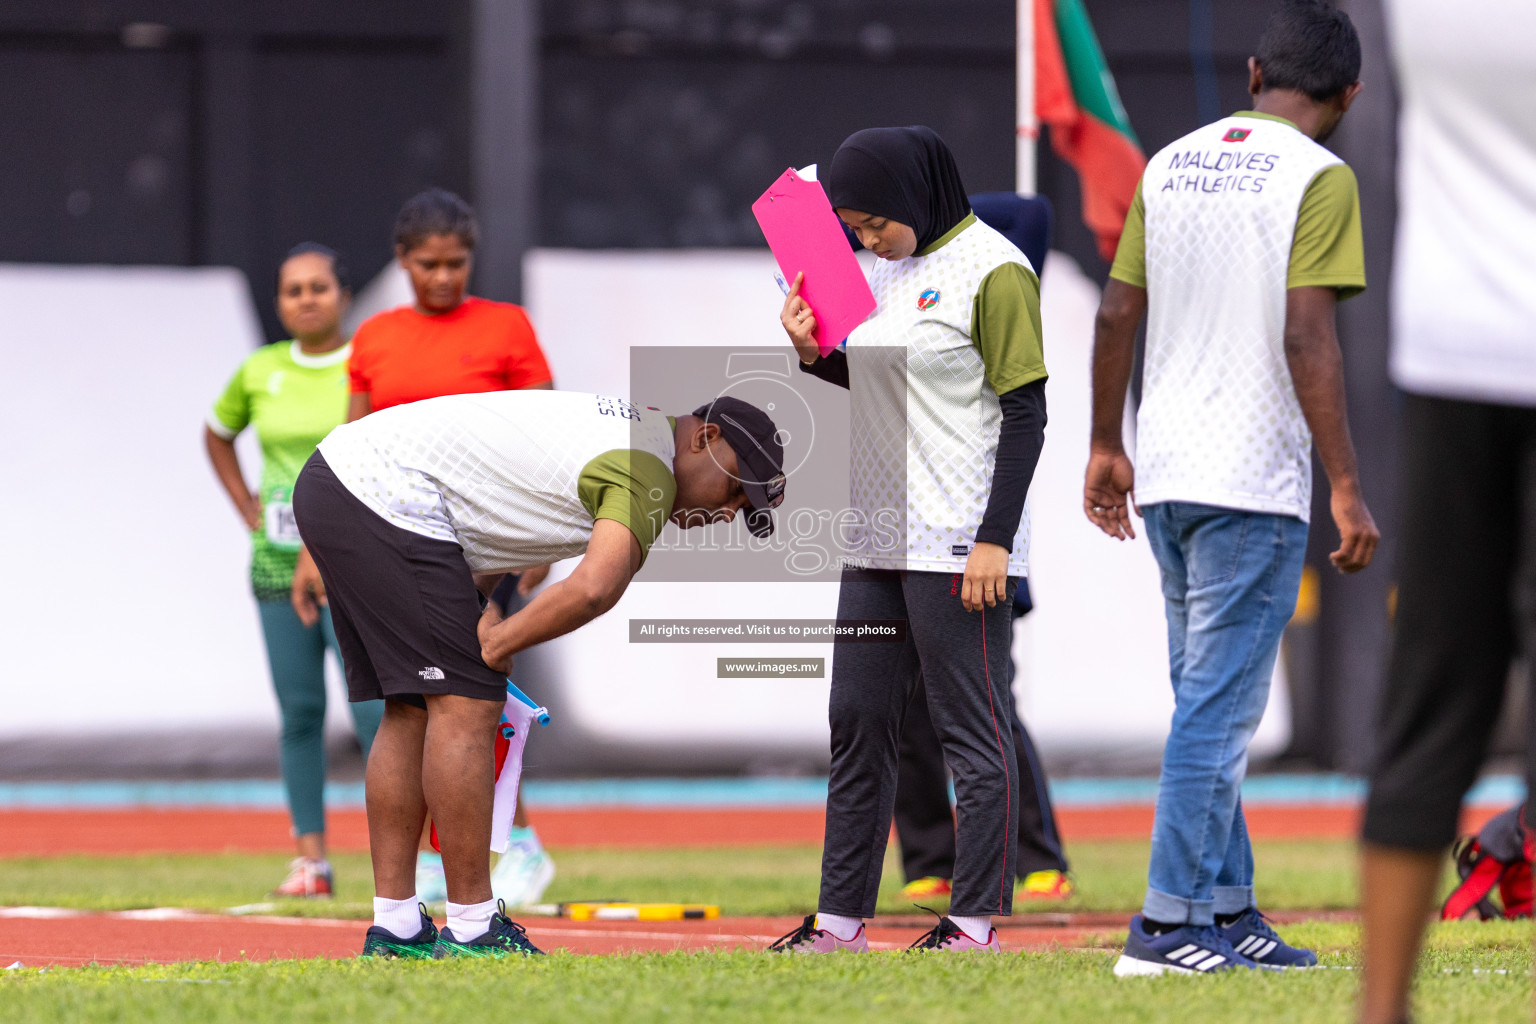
<point x="810" y="939"/>
<point x="948" y="937"/>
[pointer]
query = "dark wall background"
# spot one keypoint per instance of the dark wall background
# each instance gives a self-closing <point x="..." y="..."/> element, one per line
<point x="172" y="131"/>
<point x="187" y="132"/>
<point x="662" y="122"/>
<point x="75" y="193"/>
<point x="179" y="132"/>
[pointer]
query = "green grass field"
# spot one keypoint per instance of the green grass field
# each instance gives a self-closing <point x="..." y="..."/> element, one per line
<point x="1111" y="876"/>
<point x="1478" y="973"/>
<point x="1475" y="974"/>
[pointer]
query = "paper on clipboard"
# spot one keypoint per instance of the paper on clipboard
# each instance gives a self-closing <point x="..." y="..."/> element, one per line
<point x="806" y="237"/>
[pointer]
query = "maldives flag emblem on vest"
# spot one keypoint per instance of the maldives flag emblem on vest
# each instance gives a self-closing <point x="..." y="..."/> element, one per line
<point x="1236" y="134"/>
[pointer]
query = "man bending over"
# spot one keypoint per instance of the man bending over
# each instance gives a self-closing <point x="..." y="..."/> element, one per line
<point x="408" y="511"/>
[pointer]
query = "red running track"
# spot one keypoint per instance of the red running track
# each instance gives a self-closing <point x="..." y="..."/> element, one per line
<point x="39" y="937"/>
<point x="46" y="833"/>
<point x="44" y="937"/>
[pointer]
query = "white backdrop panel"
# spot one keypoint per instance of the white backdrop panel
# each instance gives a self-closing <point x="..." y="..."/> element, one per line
<point x="1093" y="657"/>
<point x="589" y="309"/>
<point x="126" y="602"/>
<point x="127" y="590"/>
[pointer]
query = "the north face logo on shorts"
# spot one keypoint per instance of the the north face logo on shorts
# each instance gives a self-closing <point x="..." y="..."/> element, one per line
<point x="432" y="672"/>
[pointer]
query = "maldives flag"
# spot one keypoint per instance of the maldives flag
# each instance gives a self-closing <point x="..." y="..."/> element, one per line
<point x="1075" y="95"/>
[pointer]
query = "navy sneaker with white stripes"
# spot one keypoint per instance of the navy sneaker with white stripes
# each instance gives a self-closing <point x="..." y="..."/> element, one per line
<point x="1190" y="949"/>
<point x="1252" y="936"/>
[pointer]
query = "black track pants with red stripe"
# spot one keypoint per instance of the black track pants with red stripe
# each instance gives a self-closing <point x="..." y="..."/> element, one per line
<point x="925" y="822"/>
<point x="963" y="660"/>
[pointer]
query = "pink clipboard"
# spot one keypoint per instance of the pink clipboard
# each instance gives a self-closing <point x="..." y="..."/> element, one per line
<point x="806" y="237"/>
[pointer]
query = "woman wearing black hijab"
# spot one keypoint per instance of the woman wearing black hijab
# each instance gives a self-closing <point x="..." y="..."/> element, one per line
<point x="947" y="418"/>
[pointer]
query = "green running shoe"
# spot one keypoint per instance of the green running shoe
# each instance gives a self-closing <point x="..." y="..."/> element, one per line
<point x="384" y="944"/>
<point x="504" y="938"/>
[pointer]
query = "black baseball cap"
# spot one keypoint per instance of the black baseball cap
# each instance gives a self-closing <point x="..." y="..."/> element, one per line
<point x="759" y="456"/>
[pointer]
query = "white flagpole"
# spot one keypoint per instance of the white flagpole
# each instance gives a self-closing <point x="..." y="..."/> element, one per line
<point x="1027" y="134"/>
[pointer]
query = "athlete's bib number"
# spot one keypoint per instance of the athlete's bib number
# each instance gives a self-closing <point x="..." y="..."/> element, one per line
<point x="282" y="528"/>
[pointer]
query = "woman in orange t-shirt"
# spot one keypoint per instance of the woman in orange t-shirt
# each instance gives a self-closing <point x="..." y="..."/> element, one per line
<point x="447" y="343"/>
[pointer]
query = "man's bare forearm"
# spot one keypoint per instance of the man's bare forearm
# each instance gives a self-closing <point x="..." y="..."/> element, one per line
<point x="558" y="610"/>
<point x="1114" y="355"/>
<point x="594" y="586"/>
<point x="1317" y="374"/>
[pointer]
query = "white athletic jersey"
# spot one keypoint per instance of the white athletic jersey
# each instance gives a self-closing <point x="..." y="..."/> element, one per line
<point x="932" y="483"/>
<point x="1219" y="423"/>
<point x="1464" y="276"/>
<point x="501" y="473"/>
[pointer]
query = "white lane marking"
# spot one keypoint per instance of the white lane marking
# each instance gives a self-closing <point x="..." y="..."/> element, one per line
<point x="615" y="933"/>
<point x="600" y="933"/>
<point x="41" y="913"/>
<point x="198" y="917"/>
<point x="252" y="908"/>
<point x="170" y="914"/>
<point x="152" y="914"/>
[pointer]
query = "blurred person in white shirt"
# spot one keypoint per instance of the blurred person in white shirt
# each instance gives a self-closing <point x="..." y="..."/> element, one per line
<point x="1464" y="351"/>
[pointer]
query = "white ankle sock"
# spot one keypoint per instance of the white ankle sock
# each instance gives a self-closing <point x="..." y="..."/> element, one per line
<point x="844" y="928"/>
<point x="978" y="928"/>
<point x="470" y="920"/>
<point x="398" y="917"/>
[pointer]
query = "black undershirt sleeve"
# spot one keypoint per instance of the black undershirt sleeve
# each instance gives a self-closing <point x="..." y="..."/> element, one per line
<point x="1018" y="450"/>
<point x="832" y="368"/>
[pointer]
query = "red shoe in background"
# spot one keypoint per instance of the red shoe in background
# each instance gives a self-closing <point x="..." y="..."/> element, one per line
<point x="307" y="879"/>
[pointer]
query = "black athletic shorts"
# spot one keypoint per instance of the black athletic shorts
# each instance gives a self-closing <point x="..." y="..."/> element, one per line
<point x="1466" y="607"/>
<point x="404" y="606"/>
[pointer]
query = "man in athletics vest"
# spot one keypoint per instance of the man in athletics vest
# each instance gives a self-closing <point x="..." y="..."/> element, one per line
<point x="407" y="511"/>
<point x="1242" y="237"/>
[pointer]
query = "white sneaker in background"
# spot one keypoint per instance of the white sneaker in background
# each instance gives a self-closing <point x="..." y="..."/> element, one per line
<point x="431" y="885"/>
<point x="522" y="873"/>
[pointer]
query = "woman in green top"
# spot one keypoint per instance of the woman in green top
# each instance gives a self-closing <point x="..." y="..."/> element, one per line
<point x="293" y="392"/>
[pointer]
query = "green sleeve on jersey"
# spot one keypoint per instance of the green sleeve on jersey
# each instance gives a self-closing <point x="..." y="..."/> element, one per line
<point x="233" y="408"/>
<point x="1005" y="326"/>
<point x="634" y="488"/>
<point x="1328" y="250"/>
<point x="1131" y="257"/>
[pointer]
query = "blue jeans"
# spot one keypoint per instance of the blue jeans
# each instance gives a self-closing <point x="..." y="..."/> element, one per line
<point x="1229" y="585"/>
